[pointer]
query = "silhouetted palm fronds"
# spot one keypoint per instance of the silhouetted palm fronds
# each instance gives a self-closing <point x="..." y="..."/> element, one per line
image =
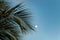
<point x="14" y="22"/>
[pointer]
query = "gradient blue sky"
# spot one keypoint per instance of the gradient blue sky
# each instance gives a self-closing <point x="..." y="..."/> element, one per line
<point x="47" y="17"/>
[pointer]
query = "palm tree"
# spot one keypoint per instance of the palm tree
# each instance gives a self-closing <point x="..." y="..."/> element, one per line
<point x="14" y="22"/>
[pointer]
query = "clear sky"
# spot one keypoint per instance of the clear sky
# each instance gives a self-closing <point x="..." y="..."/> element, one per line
<point x="47" y="17"/>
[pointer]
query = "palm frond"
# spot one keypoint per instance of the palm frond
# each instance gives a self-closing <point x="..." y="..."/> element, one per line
<point x="14" y="22"/>
<point x="9" y="11"/>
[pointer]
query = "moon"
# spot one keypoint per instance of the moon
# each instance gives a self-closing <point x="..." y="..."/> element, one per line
<point x="36" y="26"/>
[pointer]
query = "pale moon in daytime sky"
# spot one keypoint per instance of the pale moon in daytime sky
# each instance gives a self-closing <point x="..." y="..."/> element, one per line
<point x="36" y="26"/>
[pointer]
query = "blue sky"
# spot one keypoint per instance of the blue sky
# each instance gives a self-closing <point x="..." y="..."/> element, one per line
<point x="47" y="17"/>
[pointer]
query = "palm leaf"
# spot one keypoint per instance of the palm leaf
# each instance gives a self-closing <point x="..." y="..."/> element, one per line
<point x="14" y="22"/>
<point x="9" y="11"/>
